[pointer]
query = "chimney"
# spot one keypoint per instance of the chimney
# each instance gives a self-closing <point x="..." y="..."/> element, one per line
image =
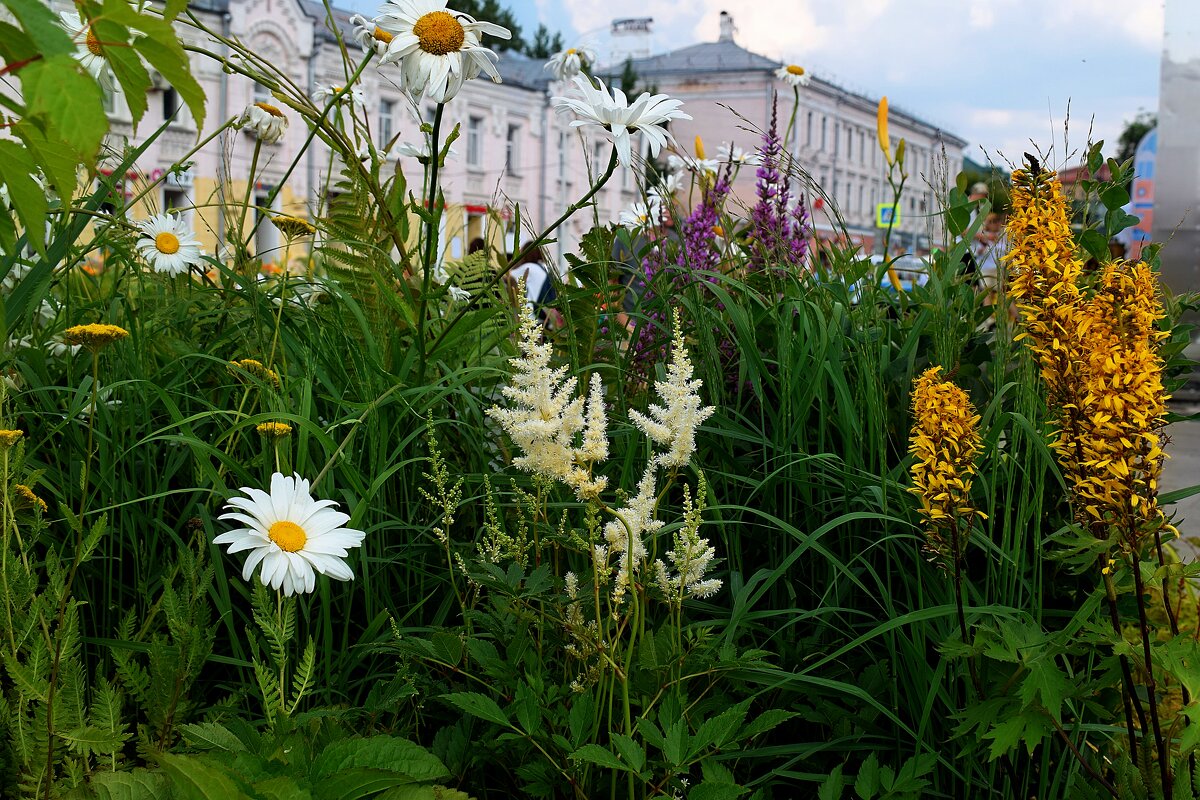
<point x="727" y="28"/>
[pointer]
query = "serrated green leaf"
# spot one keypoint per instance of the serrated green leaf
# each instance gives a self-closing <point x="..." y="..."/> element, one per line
<point x="192" y="779"/>
<point x="675" y="743"/>
<point x="399" y="757"/>
<point x="629" y="751"/>
<point x="1046" y="684"/>
<point x="88" y="739"/>
<point x="126" y="65"/>
<point x="600" y="756"/>
<point x="866" y="784"/>
<point x="281" y="787"/>
<point x="58" y="91"/>
<point x="765" y="721"/>
<point x="832" y="787"/>
<point x="15" y="46"/>
<point x="718" y="730"/>
<point x="708" y="790"/>
<point x="478" y="705"/>
<point x="211" y="736"/>
<point x="357" y="783"/>
<point x="423" y="793"/>
<point x="58" y="164"/>
<point x="40" y="24"/>
<point x="137" y="785"/>
<point x="28" y="199"/>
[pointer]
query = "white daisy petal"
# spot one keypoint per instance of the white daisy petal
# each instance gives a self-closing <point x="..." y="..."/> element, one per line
<point x="167" y="245"/>
<point x="290" y="534"/>
<point x="615" y="117"/>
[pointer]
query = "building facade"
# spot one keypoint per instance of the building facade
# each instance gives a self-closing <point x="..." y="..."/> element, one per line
<point x="831" y="136"/>
<point x="516" y="163"/>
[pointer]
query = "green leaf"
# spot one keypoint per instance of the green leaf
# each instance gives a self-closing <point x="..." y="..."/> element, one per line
<point x="630" y="751"/>
<point x="595" y="754"/>
<point x="68" y="100"/>
<point x="357" y="783"/>
<point x="1030" y="727"/>
<point x="675" y="746"/>
<point x="1045" y="683"/>
<point x="1095" y="243"/>
<point x="281" y="787"/>
<point x="137" y="785"/>
<point x="832" y="787"/>
<point x="41" y="25"/>
<point x="88" y="739"/>
<point x="1117" y="220"/>
<point x="28" y="198"/>
<point x="478" y="705"/>
<point x="211" y="736"/>
<point x="399" y="757"/>
<point x="126" y="65"/>
<point x="1114" y="196"/>
<point x="715" y="732"/>
<point x="765" y="721"/>
<point x="193" y="779"/>
<point x="59" y="165"/>
<point x="15" y="46"/>
<point x="708" y="790"/>
<point x="1095" y="158"/>
<point x="866" y="785"/>
<point x="423" y="793"/>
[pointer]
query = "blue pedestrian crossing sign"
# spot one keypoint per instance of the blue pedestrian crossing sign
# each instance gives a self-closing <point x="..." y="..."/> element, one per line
<point x="887" y="215"/>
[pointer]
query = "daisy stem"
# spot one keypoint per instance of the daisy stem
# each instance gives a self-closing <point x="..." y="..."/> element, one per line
<point x="430" y="228"/>
<point x="787" y="136"/>
<point x="242" y="253"/>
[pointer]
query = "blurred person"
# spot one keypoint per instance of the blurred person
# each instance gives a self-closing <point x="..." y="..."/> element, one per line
<point x="539" y="284"/>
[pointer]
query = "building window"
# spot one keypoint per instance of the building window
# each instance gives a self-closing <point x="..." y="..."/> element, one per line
<point x="862" y="147"/>
<point x="808" y="130"/>
<point x="860" y="199"/>
<point x="261" y="93"/>
<point x="110" y="98"/>
<point x="510" y="150"/>
<point x="387" y="112"/>
<point x="266" y="239"/>
<point x="170" y="99"/>
<point x="599" y="156"/>
<point x="849" y="143"/>
<point x="475" y="141"/>
<point x="824" y="131"/>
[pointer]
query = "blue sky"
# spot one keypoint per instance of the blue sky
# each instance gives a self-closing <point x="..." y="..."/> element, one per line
<point x="996" y="72"/>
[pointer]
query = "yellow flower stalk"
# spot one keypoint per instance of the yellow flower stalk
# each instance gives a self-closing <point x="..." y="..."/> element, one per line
<point x="1123" y="409"/>
<point x="94" y="336"/>
<point x="1043" y="272"/>
<point x="881" y="129"/>
<point x="699" y="148"/>
<point x="944" y="443"/>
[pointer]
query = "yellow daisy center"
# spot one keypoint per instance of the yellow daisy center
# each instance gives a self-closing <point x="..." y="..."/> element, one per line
<point x="93" y="42"/>
<point x="382" y="35"/>
<point x="288" y="535"/>
<point x="571" y="52"/>
<point x="439" y="33"/>
<point x="167" y="242"/>
<point x="795" y="70"/>
<point x="270" y="109"/>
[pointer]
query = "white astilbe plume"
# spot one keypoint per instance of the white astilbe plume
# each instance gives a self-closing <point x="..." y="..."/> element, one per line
<point x="691" y="557"/>
<point x="544" y="417"/>
<point x="624" y="535"/>
<point x="595" y="433"/>
<point x="673" y="425"/>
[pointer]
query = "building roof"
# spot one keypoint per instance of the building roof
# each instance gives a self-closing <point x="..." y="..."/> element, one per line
<point x="722" y="56"/>
<point x="520" y="70"/>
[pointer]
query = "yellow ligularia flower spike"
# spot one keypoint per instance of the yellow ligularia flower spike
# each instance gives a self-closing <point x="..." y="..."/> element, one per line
<point x="699" y="148"/>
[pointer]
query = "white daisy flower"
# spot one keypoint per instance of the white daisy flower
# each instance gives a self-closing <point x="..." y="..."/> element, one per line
<point x="88" y="51"/>
<point x="699" y="166"/>
<point x="569" y="63"/>
<point x="732" y="154"/>
<point x="639" y="215"/>
<point x="292" y="535"/>
<point x="793" y="75"/>
<point x="370" y="37"/>
<point x="414" y="150"/>
<point x="613" y="114"/>
<point x="663" y="192"/>
<point x="324" y="95"/>
<point x="458" y="295"/>
<point x="437" y="48"/>
<point x="167" y="244"/>
<point x="266" y="121"/>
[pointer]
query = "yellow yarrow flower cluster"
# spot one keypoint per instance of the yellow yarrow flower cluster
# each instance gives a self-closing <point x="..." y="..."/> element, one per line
<point x="95" y="335"/>
<point x="1123" y="410"/>
<point x="273" y="430"/>
<point x="944" y="443"/>
<point x="23" y="498"/>
<point x="8" y="438"/>
<point x="256" y="369"/>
